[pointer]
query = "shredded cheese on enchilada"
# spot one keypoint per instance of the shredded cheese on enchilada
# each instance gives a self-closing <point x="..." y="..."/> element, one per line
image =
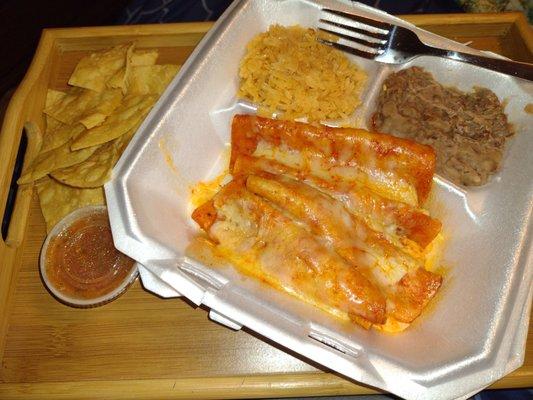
<point x="330" y="216"/>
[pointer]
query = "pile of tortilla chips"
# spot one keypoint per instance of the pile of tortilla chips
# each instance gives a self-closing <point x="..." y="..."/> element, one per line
<point x="89" y="125"/>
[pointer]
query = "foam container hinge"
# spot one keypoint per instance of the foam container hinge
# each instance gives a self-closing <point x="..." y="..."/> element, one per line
<point x="476" y="331"/>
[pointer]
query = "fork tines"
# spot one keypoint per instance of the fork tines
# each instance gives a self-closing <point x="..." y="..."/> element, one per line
<point x="358" y="35"/>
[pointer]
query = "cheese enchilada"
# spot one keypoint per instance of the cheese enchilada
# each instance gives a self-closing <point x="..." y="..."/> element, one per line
<point x="330" y="215"/>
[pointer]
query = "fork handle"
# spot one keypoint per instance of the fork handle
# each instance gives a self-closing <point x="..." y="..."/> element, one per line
<point x="513" y="68"/>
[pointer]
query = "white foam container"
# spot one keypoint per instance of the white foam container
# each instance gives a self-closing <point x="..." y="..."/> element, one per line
<point x="475" y="333"/>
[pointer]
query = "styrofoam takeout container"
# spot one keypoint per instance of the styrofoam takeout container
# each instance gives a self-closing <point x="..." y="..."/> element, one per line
<point x="476" y="330"/>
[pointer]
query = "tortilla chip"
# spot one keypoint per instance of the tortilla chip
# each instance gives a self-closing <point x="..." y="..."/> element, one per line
<point x="133" y="58"/>
<point x="94" y="70"/>
<point x="68" y="107"/>
<point x="52" y="97"/>
<point x="89" y="125"/>
<point x="96" y="170"/>
<point x="58" y="200"/>
<point x="151" y="79"/>
<point x="85" y="106"/>
<point x="52" y="124"/>
<point x="144" y="57"/>
<point x="124" y="140"/>
<point x="49" y="161"/>
<point x="93" y="172"/>
<point x="118" y="81"/>
<point x="35" y="140"/>
<point x="120" y="78"/>
<point x="92" y="120"/>
<point x="60" y="135"/>
<point x="101" y="107"/>
<point x="130" y="113"/>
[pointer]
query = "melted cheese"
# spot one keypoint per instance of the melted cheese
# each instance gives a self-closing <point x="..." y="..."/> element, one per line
<point x="204" y="191"/>
<point x="322" y="166"/>
<point x="330" y="216"/>
<point x="219" y="255"/>
<point x="433" y="254"/>
<point x="259" y="237"/>
<point x="405" y="226"/>
<point x="399" y="169"/>
<point x="392" y="326"/>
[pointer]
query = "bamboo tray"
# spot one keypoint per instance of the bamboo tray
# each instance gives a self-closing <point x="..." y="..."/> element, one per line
<point x="140" y="345"/>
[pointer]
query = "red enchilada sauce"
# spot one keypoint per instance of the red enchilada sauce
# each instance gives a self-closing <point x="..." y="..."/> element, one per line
<point x="82" y="261"/>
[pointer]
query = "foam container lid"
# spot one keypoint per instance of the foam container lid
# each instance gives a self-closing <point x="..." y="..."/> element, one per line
<point x="476" y="331"/>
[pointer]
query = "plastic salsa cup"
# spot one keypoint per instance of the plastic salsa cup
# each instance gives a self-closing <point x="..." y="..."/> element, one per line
<point x="79" y="263"/>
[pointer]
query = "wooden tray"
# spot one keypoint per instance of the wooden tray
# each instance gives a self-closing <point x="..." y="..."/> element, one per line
<point x="141" y="345"/>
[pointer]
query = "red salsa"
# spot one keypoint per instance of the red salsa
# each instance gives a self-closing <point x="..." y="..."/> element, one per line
<point x="83" y="263"/>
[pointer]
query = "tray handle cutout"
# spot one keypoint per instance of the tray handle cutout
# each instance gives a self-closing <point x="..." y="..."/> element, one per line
<point x="18" y="197"/>
<point x="13" y="187"/>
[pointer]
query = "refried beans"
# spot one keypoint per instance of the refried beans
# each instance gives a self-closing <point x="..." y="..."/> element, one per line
<point x="467" y="130"/>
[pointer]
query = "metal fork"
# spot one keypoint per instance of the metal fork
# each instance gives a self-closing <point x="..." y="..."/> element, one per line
<point x="392" y="44"/>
